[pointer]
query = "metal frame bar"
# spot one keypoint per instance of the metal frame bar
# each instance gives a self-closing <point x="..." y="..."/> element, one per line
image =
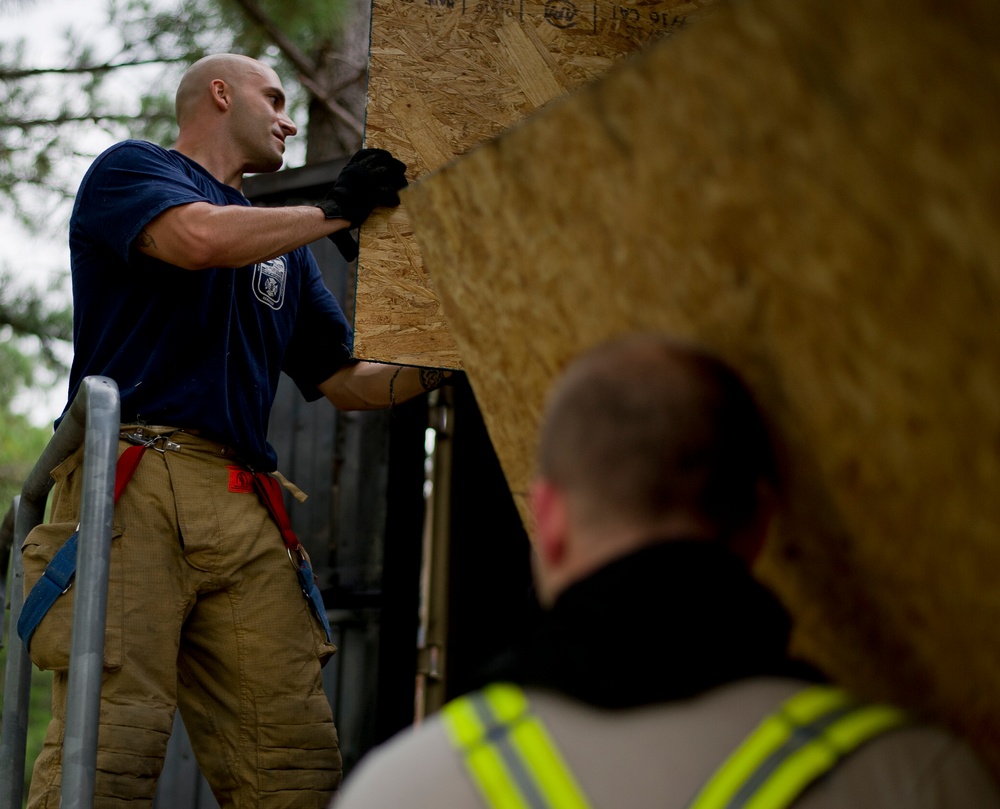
<point x="17" y="682"/>
<point x="92" y="420"/>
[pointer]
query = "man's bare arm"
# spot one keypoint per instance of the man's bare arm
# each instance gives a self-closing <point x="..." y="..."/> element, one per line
<point x="200" y="235"/>
<point x="374" y="386"/>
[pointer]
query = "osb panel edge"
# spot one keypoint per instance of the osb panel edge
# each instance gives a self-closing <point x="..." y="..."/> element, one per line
<point x="445" y="76"/>
<point x="838" y="346"/>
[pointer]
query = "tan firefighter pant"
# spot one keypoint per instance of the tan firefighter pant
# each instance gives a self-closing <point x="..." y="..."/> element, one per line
<point x="204" y="613"/>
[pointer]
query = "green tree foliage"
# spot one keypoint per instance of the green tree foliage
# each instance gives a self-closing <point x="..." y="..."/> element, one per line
<point x="33" y="342"/>
<point x="31" y="332"/>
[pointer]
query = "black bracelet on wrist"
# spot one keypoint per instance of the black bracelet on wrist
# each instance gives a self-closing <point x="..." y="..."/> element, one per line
<point x="392" y="385"/>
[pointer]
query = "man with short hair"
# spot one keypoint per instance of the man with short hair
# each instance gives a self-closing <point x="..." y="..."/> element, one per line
<point x="194" y="302"/>
<point x="659" y="675"/>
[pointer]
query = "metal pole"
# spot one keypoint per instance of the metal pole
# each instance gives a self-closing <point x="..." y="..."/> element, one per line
<point x="93" y="416"/>
<point x="17" y="689"/>
<point x="83" y="700"/>
<point x="6" y="544"/>
<point x="432" y="638"/>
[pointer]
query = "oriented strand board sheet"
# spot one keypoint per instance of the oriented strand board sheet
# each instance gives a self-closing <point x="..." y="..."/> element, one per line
<point x="445" y="75"/>
<point x="813" y="192"/>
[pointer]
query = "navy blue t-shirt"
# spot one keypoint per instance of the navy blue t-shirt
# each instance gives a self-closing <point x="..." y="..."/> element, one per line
<point x="199" y="349"/>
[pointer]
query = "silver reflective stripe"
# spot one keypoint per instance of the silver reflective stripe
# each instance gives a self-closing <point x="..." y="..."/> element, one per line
<point x="496" y="736"/>
<point x="794" y="746"/>
<point x="801" y="736"/>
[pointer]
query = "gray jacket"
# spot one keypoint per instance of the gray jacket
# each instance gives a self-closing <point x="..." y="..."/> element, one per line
<point x="660" y="756"/>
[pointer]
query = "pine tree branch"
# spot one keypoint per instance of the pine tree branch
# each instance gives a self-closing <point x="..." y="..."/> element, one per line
<point x="308" y="74"/>
<point x="12" y="74"/>
<point x="94" y="118"/>
<point x="31" y="319"/>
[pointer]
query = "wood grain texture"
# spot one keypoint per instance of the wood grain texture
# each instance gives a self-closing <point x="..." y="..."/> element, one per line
<point x="446" y="75"/>
<point x="813" y="194"/>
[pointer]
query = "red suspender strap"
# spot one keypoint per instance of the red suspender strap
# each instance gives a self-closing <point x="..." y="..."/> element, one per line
<point x="127" y="464"/>
<point x="270" y="493"/>
<point x="267" y="487"/>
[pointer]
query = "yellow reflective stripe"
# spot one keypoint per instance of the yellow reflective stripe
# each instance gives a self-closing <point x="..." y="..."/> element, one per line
<point x="819" y="756"/>
<point x="511" y="757"/>
<point x="815" y="702"/>
<point x="486" y="766"/>
<point x="462" y="724"/>
<point x="805" y="738"/>
<point x="493" y="778"/>
<point x="515" y="764"/>
<point x="507" y="702"/>
<point x="866" y="723"/>
<point x="774" y="731"/>
<point x="546" y="765"/>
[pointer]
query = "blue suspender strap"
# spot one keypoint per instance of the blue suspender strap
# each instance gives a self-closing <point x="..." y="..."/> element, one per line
<point x="55" y="581"/>
<point x="59" y="573"/>
<point x="307" y="581"/>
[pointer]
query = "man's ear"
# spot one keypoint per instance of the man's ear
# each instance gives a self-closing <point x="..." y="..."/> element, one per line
<point x="221" y="94"/>
<point x="549" y="509"/>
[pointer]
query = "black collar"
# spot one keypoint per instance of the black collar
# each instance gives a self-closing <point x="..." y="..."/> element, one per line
<point x="667" y="622"/>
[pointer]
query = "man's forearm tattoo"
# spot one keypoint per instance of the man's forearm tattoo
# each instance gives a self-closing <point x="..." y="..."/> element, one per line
<point x="392" y="388"/>
<point x="145" y="240"/>
<point x="431" y="378"/>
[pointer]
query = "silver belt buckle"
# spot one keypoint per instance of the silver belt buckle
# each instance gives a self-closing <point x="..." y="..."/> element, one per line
<point x="161" y="443"/>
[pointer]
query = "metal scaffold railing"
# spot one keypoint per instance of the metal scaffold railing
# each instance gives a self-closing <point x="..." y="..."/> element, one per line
<point x="93" y="422"/>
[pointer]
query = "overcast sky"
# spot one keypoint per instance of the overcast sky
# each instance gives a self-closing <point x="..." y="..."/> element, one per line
<point x="43" y="23"/>
<point x="42" y="259"/>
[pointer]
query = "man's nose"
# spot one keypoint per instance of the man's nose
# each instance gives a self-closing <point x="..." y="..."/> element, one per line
<point x="287" y="125"/>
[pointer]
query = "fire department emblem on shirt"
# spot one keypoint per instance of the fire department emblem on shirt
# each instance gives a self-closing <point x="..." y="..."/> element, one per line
<point x="269" y="282"/>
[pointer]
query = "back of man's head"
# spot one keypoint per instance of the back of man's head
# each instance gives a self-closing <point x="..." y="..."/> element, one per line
<point x="644" y="430"/>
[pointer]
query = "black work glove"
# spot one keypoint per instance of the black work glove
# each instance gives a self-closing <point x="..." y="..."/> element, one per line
<point x="371" y="177"/>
